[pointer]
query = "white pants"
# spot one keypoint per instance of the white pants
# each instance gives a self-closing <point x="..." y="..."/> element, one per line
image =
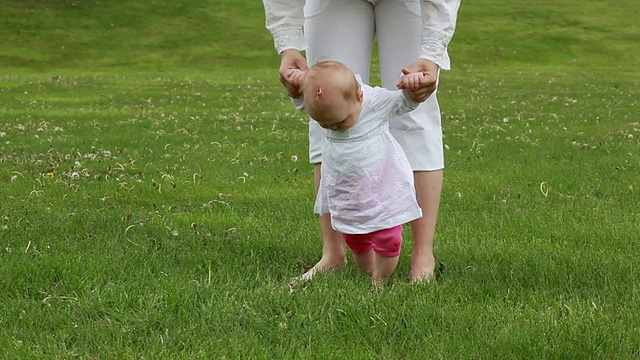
<point x="343" y="30"/>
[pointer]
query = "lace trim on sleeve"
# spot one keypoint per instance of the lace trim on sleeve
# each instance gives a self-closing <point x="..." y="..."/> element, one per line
<point x="289" y="39"/>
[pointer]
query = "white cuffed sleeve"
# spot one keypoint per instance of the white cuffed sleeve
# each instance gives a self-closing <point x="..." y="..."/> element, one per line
<point x="298" y="103"/>
<point x="285" y="21"/>
<point x="439" y="23"/>
<point x="407" y="102"/>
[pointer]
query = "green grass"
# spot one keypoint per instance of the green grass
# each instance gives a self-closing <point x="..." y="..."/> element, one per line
<point x="151" y="207"/>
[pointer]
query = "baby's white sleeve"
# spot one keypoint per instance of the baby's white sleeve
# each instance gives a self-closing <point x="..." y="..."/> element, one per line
<point x="408" y="103"/>
<point x="392" y="102"/>
<point x="298" y="103"/>
<point x="403" y="103"/>
<point x="285" y="21"/>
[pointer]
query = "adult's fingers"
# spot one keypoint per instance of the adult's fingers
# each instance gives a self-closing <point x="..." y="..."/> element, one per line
<point x="289" y="60"/>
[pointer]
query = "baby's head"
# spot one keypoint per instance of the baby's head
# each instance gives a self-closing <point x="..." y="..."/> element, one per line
<point x="332" y="95"/>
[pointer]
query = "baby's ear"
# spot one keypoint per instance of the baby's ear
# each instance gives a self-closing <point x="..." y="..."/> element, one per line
<point x="359" y="95"/>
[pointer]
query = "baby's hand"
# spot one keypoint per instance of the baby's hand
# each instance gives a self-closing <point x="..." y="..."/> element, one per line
<point x="428" y="83"/>
<point x="411" y="81"/>
<point x="411" y="85"/>
<point x="296" y="78"/>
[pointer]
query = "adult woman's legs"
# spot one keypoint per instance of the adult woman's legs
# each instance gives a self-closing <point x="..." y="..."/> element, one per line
<point x="428" y="188"/>
<point x="419" y="133"/>
<point x="339" y="30"/>
<point x="333" y="246"/>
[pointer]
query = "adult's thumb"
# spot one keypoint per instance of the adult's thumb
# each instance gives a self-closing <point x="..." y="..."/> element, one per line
<point x="302" y="65"/>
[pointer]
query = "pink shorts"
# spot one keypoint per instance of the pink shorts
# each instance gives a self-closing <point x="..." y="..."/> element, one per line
<point x="386" y="242"/>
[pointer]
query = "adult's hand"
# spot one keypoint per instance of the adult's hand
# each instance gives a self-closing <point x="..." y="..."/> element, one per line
<point x="428" y="83"/>
<point x="291" y="60"/>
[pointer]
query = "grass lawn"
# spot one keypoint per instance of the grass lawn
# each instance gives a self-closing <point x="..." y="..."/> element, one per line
<point x="156" y="196"/>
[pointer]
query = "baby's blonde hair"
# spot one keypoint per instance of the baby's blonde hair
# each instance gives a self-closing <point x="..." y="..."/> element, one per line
<point x="328" y="76"/>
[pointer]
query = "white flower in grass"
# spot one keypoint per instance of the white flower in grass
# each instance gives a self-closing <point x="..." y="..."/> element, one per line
<point x="294" y="158"/>
<point x="74" y="176"/>
<point x="3" y="134"/>
<point x="175" y="233"/>
<point x="14" y="178"/>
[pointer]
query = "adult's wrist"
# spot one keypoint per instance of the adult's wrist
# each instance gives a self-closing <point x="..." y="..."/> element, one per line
<point x="288" y="52"/>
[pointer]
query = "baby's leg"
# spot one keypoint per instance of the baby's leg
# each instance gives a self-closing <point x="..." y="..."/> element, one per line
<point x="365" y="261"/>
<point x="360" y="245"/>
<point x="383" y="268"/>
<point x="386" y="245"/>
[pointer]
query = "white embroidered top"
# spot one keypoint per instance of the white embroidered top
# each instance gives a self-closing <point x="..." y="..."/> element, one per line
<point x="367" y="182"/>
<point x="285" y="21"/>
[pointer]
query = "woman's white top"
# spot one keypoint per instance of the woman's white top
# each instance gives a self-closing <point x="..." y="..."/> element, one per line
<point x="285" y="21"/>
<point x="367" y="182"/>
